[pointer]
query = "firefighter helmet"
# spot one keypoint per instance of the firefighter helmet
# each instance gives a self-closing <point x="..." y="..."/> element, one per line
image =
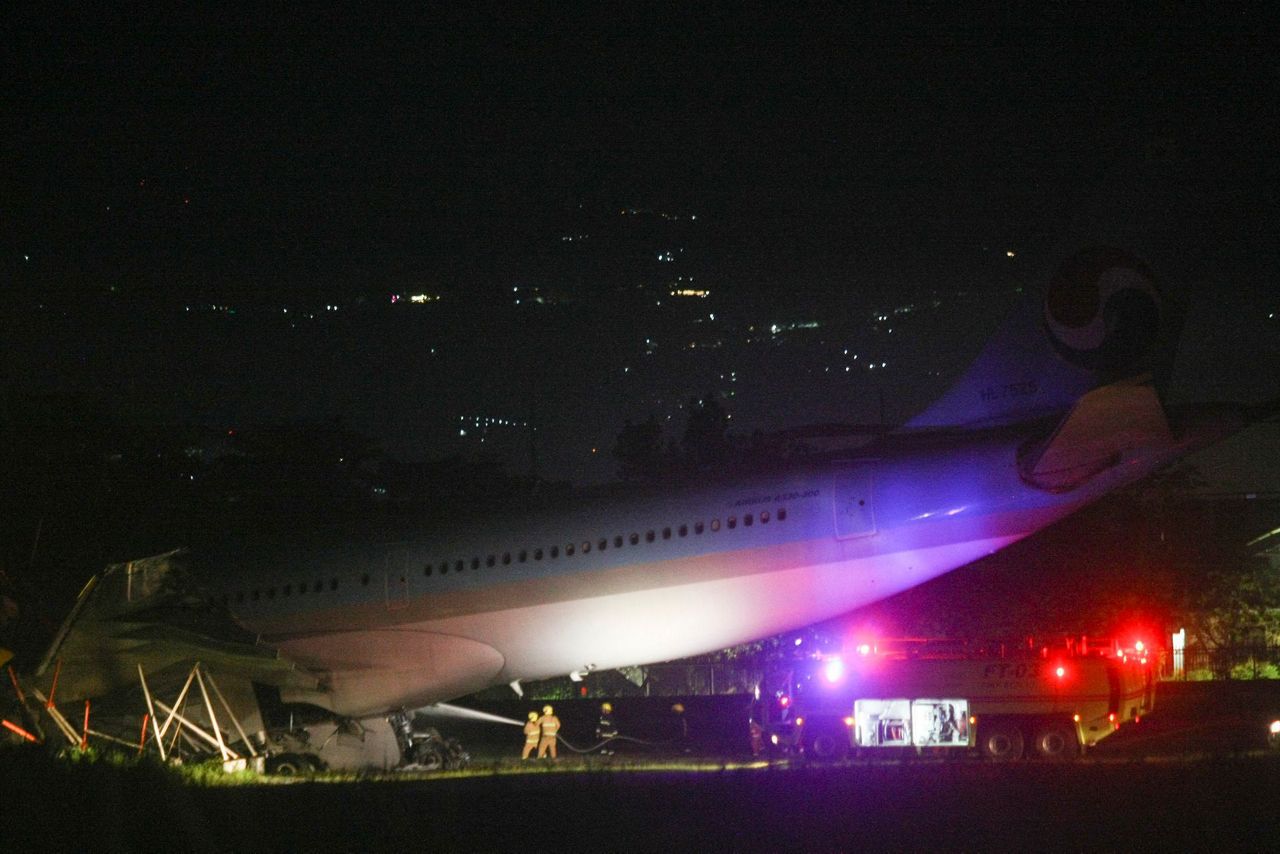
<point x="533" y="716"/>
<point x="546" y="710"/>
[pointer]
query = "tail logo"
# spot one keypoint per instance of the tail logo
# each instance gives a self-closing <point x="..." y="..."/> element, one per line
<point x="1103" y="310"/>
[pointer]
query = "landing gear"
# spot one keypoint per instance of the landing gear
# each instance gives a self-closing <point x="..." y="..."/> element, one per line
<point x="290" y="754"/>
<point x="423" y="748"/>
<point x="293" y="764"/>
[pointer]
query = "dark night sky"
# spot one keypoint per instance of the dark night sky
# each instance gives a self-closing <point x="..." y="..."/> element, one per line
<point x="321" y="155"/>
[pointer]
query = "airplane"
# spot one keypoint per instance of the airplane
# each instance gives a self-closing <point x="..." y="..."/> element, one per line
<point x="1059" y="409"/>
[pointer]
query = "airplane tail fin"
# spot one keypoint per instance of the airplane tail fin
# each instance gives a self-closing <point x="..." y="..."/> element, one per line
<point x="1101" y="320"/>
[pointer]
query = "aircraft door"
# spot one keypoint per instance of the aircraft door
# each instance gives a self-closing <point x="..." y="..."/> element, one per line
<point x="397" y="576"/>
<point x="852" y="495"/>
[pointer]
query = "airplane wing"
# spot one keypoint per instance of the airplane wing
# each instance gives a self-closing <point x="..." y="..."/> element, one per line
<point x="149" y="612"/>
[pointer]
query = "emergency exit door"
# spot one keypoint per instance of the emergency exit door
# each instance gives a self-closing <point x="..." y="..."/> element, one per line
<point x="397" y="576"/>
<point x="852" y="495"/>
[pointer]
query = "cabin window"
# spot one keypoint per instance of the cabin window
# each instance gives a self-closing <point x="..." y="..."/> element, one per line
<point x="555" y="552"/>
<point x="288" y="590"/>
<point x="586" y="546"/>
<point x="603" y="544"/>
<point x="364" y="580"/>
<point x="634" y="538"/>
<point x="764" y="517"/>
<point x="537" y="554"/>
<point x="684" y="531"/>
<point x="426" y="570"/>
<point x="490" y="561"/>
<point x="666" y="533"/>
<point x="568" y="550"/>
<point x="649" y="536"/>
<point x="457" y="566"/>
<point x="617" y="541"/>
<point x="475" y="563"/>
<point x="748" y="520"/>
<point x="697" y="528"/>
<point x="524" y="556"/>
<point x="782" y="514"/>
<point x="715" y="525"/>
<point x="333" y="584"/>
<point x="506" y="558"/>
<point x="732" y="522"/>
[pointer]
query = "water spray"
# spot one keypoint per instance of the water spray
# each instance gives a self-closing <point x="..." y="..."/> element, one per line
<point x="444" y="710"/>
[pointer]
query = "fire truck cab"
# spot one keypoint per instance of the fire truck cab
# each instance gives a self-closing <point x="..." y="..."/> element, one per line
<point x="1048" y="703"/>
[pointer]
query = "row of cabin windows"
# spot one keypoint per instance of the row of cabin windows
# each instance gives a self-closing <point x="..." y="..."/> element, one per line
<point x="602" y="544"/>
<point x="522" y="556"/>
<point x="288" y="590"/>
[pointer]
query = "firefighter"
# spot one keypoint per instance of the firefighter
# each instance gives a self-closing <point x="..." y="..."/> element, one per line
<point x="549" y="725"/>
<point x="605" y="730"/>
<point x="757" y="737"/>
<point x="531" y="733"/>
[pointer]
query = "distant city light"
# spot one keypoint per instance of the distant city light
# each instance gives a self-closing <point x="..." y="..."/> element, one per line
<point x="699" y="293"/>
<point x="1009" y="253"/>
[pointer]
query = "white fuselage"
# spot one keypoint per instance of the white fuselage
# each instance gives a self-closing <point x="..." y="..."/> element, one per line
<point x="449" y="613"/>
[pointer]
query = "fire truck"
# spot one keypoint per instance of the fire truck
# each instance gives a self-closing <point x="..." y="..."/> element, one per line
<point x="921" y="695"/>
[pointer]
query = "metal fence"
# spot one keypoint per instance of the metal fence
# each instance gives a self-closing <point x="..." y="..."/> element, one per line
<point x="1253" y="661"/>
<point x="685" y="680"/>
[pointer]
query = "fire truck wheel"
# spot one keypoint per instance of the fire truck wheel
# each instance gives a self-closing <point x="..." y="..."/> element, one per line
<point x="826" y="745"/>
<point x="1002" y="742"/>
<point x="1056" y="742"/>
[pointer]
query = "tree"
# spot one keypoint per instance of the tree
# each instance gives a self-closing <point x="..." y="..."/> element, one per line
<point x="706" y="431"/>
<point x="638" y="450"/>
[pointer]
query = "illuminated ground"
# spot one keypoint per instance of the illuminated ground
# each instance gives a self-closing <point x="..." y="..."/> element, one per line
<point x="1223" y="803"/>
<point x="1187" y="780"/>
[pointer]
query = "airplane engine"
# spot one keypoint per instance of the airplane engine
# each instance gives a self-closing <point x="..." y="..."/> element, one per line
<point x="1104" y="312"/>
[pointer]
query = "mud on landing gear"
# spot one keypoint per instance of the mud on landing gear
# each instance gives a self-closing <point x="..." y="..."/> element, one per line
<point x="422" y="748"/>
